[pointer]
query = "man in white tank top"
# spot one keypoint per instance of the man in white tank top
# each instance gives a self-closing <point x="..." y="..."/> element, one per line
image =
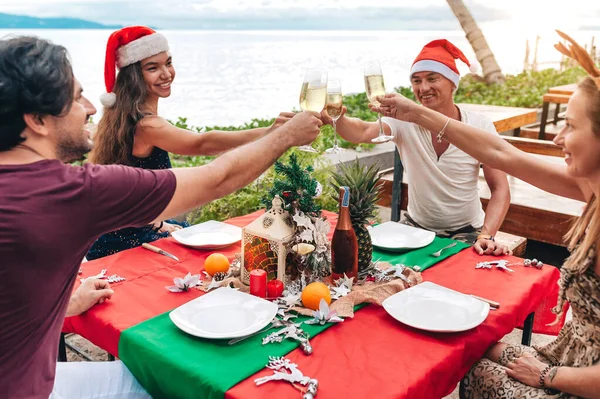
<point x="442" y="195"/>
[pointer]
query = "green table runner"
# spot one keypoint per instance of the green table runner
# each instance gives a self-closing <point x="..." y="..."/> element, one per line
<point x="421" y="257"/>
<point x="172" y="364"/>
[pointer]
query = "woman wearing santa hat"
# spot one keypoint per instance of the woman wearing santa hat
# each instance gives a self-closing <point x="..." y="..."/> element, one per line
<point x="131" y="132"/>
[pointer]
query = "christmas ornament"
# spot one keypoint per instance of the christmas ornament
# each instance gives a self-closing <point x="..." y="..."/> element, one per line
<point x="291" y="331"/>
<point x="503" y="264"/>
<point x="100" y="275"/>
<point x="324" y="315"/>
<point x="290" y="300"/>
<point x="184" y="284"/>
<point x="115" y="278"/>
<point x="274" y="289"/>
<point x="346" y="281"/>
<point x="220" y="276"/>
<point x="285" y="370"/>
<point x="500" y="264"/>
<point x="339" y="292"/>
<point x="213" y="284"/>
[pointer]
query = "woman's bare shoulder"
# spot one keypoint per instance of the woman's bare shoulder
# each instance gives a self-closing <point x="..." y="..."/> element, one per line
<point x="151" y="123"/>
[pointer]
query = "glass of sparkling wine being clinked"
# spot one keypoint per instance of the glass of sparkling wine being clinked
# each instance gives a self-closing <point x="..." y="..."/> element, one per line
<point x="334" y="110"/>
<point x="374" y="87"/>
<point x="313" y="95"/>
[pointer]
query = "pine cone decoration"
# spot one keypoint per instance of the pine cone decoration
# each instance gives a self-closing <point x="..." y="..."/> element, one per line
<point x="219" y="276"/>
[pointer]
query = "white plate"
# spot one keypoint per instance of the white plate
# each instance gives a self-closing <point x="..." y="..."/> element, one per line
<point x="208" y="235"/>
<point x="395" y="236"/>
<point x="223" y="313"/>
<point x="431" y="307"/>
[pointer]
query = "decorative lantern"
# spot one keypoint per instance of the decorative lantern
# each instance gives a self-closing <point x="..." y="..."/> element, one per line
<point x="264" y="243"/>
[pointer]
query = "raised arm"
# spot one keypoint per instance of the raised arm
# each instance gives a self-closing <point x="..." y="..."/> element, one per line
<point x="155" y="131"/>
<point x="489" y="149"/>
<point x="237" y="168"/>
<point x="355" y="130"/>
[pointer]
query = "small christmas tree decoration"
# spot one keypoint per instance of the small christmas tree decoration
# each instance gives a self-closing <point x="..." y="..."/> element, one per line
<point x="297" y="188"/>
<point x="308" y="252"/>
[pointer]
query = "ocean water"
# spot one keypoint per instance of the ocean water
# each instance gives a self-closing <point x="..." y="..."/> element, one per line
<point x="229" y="77"/>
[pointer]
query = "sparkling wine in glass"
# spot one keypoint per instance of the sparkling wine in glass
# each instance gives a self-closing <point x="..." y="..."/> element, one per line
<point x="313" y="95"/>
<point x="334" y="110"/>
<point x="375" y="87"/>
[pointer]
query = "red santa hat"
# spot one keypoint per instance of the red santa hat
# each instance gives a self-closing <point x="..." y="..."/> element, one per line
<point x="125" y="47"/>
<point x="438" y="56"/>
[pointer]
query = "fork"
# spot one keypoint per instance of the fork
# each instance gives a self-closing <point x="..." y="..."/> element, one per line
<point x="437" y="254"/>
<point x="274" y="324"/>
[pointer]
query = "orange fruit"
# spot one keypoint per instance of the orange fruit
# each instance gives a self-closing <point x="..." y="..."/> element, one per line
<point x="313" y="293"/>
<point x="216" y="263"/>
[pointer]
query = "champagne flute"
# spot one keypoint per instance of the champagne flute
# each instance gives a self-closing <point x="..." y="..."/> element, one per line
<point x="334" y="110"/>
<point x="313" y="95"/>
<point x="374" y="87"/>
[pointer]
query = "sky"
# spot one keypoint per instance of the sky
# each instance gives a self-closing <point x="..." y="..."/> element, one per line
<point x="315" y="14"/>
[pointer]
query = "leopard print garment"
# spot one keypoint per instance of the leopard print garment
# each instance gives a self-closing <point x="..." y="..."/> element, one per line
<point x="577" y="345"/>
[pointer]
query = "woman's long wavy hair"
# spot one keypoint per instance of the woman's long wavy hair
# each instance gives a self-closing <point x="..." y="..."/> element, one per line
<point x="113" y="142"/>
<point x="584" y="236"/>
<point x="585" y="232"/>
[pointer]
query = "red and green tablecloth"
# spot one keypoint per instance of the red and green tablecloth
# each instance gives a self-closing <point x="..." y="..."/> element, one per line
<point x="370" y="354"/>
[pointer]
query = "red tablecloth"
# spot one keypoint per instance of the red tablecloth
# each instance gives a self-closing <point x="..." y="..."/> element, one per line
<point x="370" y="355"/>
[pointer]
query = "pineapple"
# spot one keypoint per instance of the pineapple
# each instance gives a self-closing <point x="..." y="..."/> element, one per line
<point x="364" y="187"/>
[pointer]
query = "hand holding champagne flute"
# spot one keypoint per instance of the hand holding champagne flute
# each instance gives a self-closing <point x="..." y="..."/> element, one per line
<point x="375" y="87"/>
<point x="313" y="95"/>
<point x="334" y="110"/>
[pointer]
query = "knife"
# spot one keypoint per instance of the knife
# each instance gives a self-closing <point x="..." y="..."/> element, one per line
<point x="159" y="251"/>
<point x="493" y="304"/>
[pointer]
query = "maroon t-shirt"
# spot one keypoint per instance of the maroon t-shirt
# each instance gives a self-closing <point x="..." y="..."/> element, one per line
<point x="50" y="214"/>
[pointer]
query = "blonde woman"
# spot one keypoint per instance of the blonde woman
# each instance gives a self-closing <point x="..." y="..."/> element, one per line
<point x="570" y="365"/>
<point x="131" y="132"/>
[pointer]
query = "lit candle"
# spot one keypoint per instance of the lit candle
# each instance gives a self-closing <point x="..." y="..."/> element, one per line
<point x="258" y="283"/>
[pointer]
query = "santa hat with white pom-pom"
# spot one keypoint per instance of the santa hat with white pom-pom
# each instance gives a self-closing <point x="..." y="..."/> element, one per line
<point x="438" y="56"/>
<point x="125" y="47"/>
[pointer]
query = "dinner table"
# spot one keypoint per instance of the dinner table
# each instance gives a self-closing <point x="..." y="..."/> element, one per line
<point x="369" y="355"/>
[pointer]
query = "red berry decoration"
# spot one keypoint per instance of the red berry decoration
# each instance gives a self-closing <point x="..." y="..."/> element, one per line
<point x="274" y="289"/>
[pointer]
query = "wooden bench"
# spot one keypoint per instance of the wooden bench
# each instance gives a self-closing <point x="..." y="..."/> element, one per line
<point x="533" y="213"/>
<point x="545" y="129"/>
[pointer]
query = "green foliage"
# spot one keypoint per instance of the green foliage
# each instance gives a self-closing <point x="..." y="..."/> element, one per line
<point x="295" y="186"/>
<point x="365" y="187"/>
<point x="523" y="90"/>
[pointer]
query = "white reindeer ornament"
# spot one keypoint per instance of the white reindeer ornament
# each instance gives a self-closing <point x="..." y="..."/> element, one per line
<point x="285" y="370"/>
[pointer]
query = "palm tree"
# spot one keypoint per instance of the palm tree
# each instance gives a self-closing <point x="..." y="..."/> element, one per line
<point x="491" y="70"/>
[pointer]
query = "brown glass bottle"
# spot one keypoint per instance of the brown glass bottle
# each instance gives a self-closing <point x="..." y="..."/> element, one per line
<point x="344" y="246"/>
